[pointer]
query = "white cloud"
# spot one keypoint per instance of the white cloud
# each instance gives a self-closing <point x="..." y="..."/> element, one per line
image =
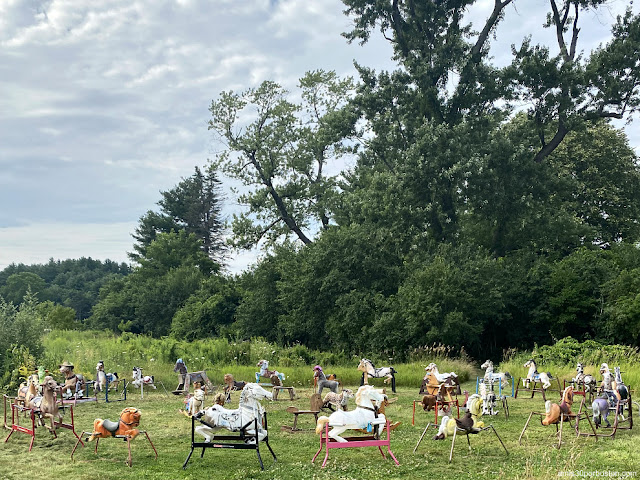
<point x="105" y="104"/>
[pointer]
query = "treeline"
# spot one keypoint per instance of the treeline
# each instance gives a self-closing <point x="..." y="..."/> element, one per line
<point x="459" y="218"/>
<point x="74" y="284"/>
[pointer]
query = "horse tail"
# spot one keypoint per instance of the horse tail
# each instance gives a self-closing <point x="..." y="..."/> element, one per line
<point x="393" y="370"/>
<point x="321" y="422"/>
<point x="549" y="375"/>
<point x="507" y="375"/>
<point x="595" y="406"/>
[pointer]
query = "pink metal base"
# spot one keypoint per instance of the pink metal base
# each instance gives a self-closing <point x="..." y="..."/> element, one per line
<point x="354" y="442"/>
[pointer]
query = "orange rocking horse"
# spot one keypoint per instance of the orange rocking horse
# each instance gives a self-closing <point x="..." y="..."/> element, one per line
<point x="124" y="428"/>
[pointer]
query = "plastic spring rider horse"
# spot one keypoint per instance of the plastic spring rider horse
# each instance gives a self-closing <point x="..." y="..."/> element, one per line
<point x="216" y="417"/>
<point x="369" y="370"/>
<point x="276" y="377"/>
<point x="364" y="416"/>
<point x="471" y="423"/>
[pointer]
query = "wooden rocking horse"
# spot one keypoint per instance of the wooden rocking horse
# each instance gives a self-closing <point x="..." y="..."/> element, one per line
<point x="369" y="370"/>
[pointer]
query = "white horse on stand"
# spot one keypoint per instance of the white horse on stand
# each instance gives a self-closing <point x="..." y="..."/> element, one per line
<point x="534" y="376"/>
<point x="490" y="376"/>
<point x="139" y="379"/>
<point x="249" y="409"/>
<point x="365" y="415"/>
<point x="369" y="370"/>
<point x="588" y="382"/>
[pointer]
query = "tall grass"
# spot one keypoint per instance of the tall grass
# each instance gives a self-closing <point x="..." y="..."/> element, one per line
<point x="219" y="356"/>
<point x="560" y="359"/>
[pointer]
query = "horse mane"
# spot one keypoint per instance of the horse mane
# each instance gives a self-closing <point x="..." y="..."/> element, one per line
<point x="360" y="392"/>
<point x="366" y="360"/>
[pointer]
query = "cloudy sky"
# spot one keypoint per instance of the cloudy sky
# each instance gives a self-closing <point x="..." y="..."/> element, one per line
<point x="104" y="104"/>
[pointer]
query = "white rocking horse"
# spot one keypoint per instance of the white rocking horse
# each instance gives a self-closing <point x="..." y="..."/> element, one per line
<point x="216" y="417"/>
<point x="534" y="376"/>
<point x="490" y="376"/>
<point x="139" y="379"/>
<point x="369" y="370"/>
<point x="365" y="415"/>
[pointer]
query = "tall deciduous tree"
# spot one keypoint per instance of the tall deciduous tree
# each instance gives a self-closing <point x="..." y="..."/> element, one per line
<point x="282" y="153"/>
<point x="432" y="120"/>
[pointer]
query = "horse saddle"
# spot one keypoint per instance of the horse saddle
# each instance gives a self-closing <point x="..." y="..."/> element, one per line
<point x="111" y="427"/>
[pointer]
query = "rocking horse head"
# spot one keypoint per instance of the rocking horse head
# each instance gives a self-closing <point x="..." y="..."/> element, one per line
<point x="531" y="363"/>
<point x="253" y="391"/>
<point x="368" y="394"/>
<point x="580" y="368"/>
<point x="488" y="365"/>
<point x="604" y="369"/>
<point x="66" y="369"/>
<point x="365" y="365"/>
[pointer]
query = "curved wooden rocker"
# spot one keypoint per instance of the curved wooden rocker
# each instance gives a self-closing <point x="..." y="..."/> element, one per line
<point x="558" y="414"/>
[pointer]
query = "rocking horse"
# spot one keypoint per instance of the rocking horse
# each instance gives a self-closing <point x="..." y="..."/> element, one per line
<point x="100" y="383"/>
<point x="276" y="377"/>
<point x="43" y="407"/>
<point x="491" y="378"/>
<point x="583" y="384"/>
<point x="28" y="390"/>
<point x="337" y="401"/>
<point x="230" y="385"/>
<point x="470" y="424"/>
<point x="321" y="380"/>
<point x="73" y="382"/>
<point x="486" y="389"/>
<point x="529" y="383"/>
<point x="365" y="416"/>
<point x="194" y="403"/>
<point x="139" y="379"/>
<point x="441" y="388"/>
<point x="369" y="370"/>
<point x="615" y="397"/>
<point x="559" y="413"/>
<point x="125" y="428"/>
<point x="249" y="420"/>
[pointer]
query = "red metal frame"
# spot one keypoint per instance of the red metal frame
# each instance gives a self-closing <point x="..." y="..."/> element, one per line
<point x="354" y="442"/>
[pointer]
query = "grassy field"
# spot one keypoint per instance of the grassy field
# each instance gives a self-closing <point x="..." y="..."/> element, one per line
<point x="170" y="432"/>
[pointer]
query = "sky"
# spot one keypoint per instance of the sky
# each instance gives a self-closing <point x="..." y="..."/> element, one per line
<point x="103" y="105"/>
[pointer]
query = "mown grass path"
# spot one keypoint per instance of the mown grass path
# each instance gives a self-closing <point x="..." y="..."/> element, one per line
<point x="170" y="432"/>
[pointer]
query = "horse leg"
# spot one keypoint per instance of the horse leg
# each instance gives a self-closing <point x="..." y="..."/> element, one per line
<point x="335" y="433"/>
